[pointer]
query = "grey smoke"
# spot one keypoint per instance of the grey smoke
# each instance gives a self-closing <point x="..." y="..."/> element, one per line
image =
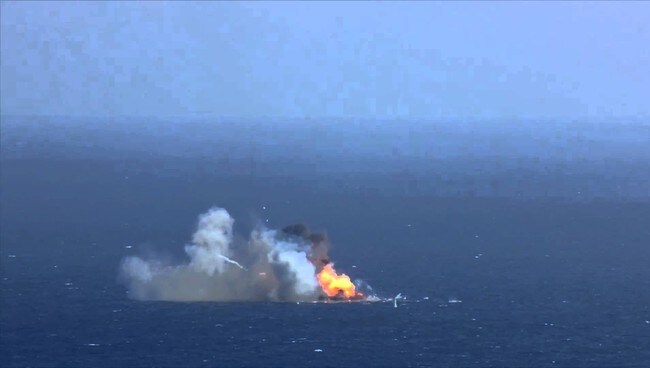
<point x="271" y="265"/>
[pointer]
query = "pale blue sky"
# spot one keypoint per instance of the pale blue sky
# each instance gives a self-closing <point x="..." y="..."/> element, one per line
<point x="370" y="60"/>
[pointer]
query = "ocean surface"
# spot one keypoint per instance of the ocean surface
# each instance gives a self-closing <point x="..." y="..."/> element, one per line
<point x="526" y="246"/>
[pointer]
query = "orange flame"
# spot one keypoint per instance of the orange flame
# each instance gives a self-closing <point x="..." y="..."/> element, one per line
<point x="333" y="283"/>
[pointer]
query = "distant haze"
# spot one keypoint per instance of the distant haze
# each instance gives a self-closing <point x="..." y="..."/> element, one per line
<point x="319" y="60"/>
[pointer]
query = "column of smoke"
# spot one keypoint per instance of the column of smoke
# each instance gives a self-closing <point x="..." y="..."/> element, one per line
<point x="270" y="265"/>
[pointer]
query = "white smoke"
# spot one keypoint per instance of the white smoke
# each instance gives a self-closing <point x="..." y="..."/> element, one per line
<point x="269" y="266"/>
<point x="137" y="269"/>
<point x="211" y="241"/>
<point x="296" y="261"/>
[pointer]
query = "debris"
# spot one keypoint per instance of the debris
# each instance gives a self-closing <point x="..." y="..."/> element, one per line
<point x="398" y="296"/>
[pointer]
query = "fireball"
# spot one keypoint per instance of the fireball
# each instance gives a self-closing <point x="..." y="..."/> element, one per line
<point x="334" y="284"/>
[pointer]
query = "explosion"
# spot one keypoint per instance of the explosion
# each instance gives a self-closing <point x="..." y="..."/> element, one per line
<point x="291" y="264"/>
<point x="335" y="285"/>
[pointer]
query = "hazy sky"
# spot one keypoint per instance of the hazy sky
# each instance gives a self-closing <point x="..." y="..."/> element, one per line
<point x="371" y="60"/>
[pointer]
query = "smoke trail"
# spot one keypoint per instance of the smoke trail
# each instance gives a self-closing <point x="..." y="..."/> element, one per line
<point x="270" y="265"/>
<point x="232" y="262"/>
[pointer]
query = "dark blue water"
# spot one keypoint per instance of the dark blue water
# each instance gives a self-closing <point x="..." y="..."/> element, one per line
<point x="551" y="280"/>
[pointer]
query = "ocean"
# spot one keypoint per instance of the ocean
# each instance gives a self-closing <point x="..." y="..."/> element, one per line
<point x="512" y="247"/>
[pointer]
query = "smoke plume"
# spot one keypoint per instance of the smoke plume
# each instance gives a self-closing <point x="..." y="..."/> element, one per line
<point x="269" y="266"/>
